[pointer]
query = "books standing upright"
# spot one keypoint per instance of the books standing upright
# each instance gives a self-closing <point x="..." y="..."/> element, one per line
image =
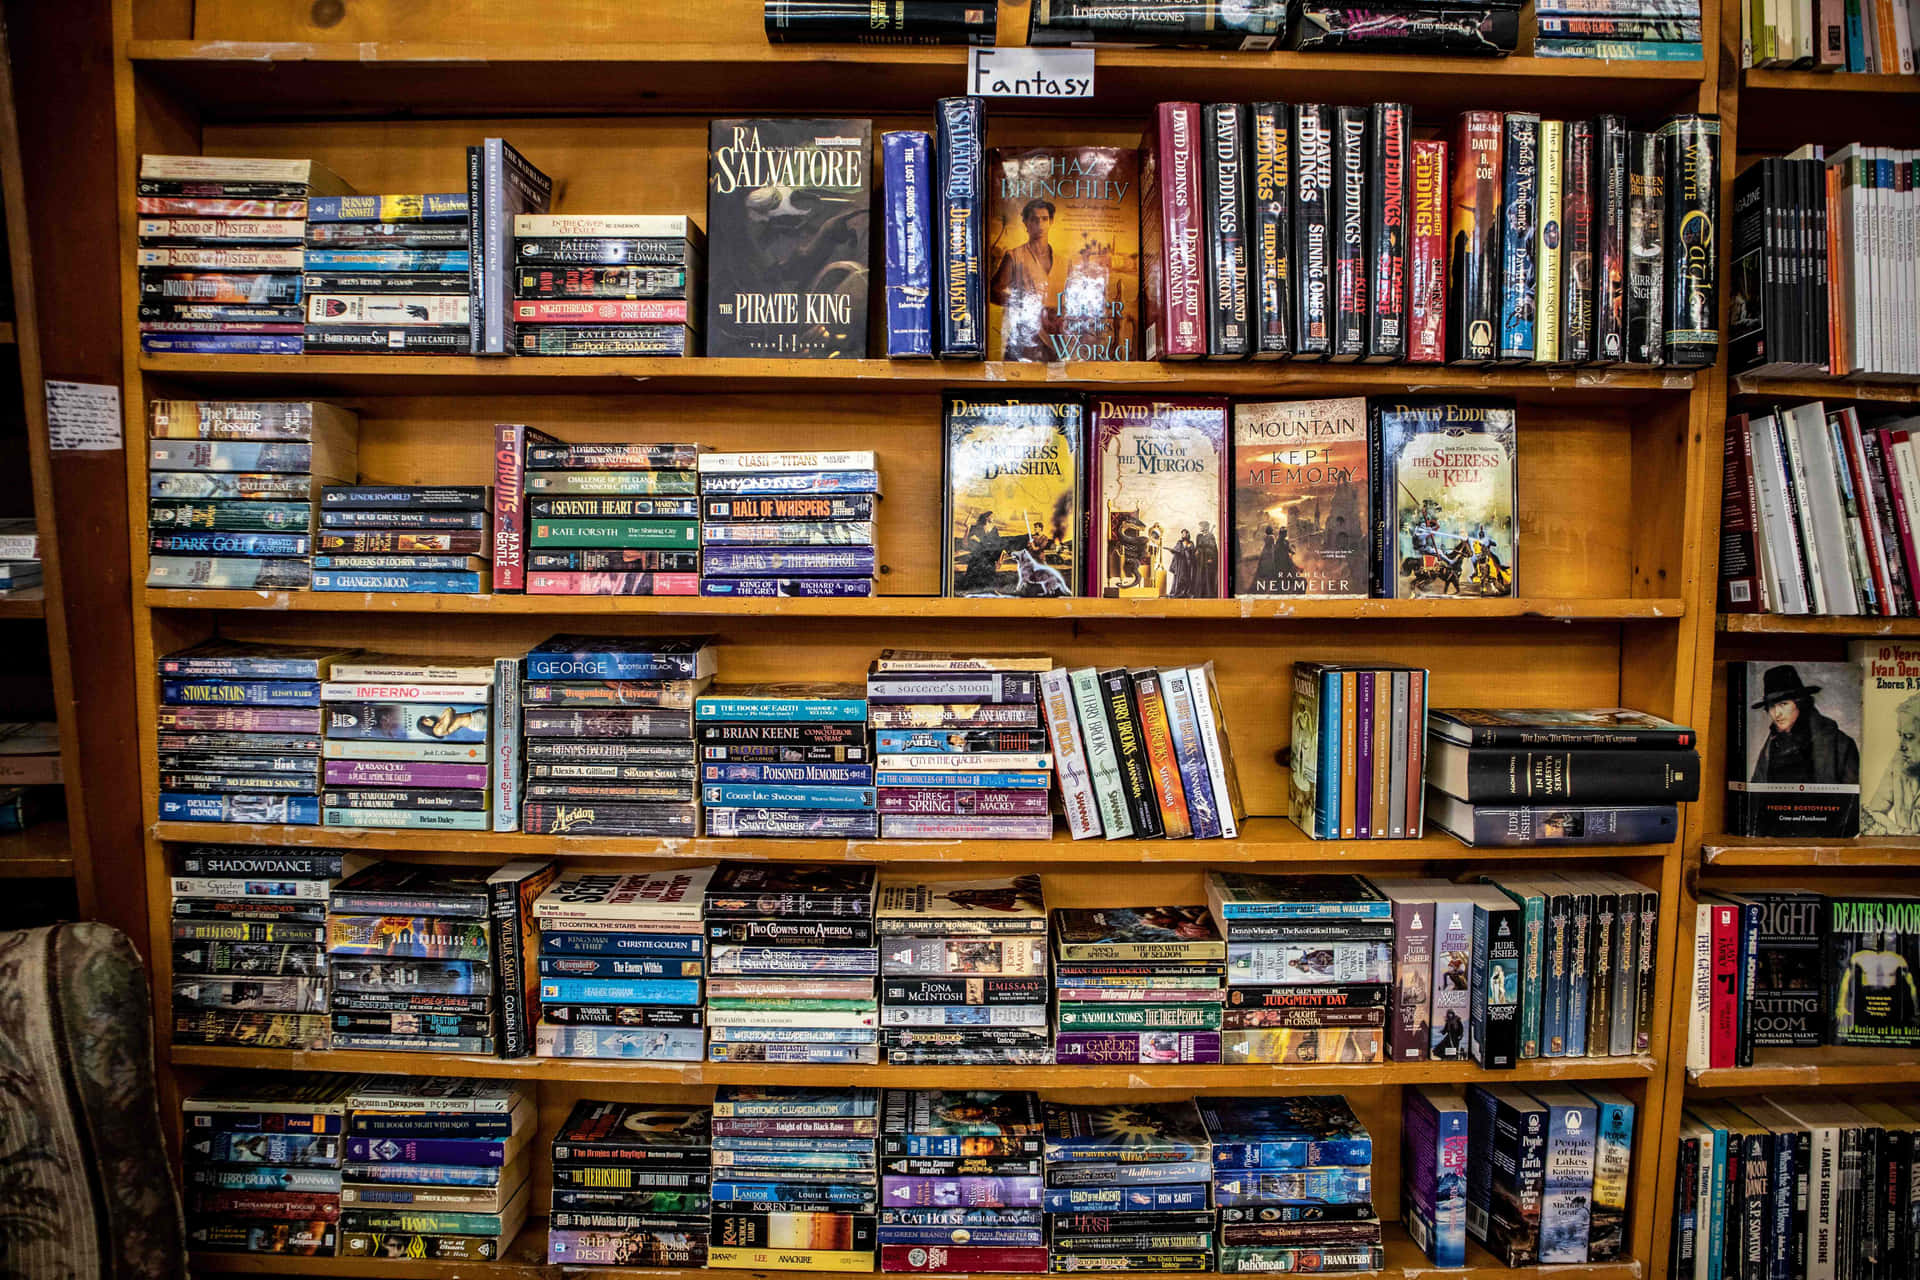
<point x="1300" y="500"/>
<point x="500" y="184"/>
<point x="1159" y="492"/>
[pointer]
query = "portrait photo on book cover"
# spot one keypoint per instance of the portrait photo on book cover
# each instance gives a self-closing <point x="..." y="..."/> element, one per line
<point x="1803" y="734"/>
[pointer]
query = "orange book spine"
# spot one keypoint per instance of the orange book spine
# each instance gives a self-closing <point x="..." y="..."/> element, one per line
<point x="1382" y="753"/>
<point x="1839" y="347"/>
<point x="1162" y="765"/>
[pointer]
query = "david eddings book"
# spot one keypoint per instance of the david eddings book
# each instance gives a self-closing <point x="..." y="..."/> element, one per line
<point x="1014" y="504"/>
<point x="1158" y="493"/>
<point x="1793" y="749"/>
<point x="788" y="228"/>
<point x="1873" y="954"/>
<point x="1063" y="253"/>
<point x="1300" y="498"/>
<point x="1444" y="494"/>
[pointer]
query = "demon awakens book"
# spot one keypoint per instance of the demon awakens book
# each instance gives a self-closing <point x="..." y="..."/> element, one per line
<point x="788" y="213"/>
<point x="1444" y="494"/>
<point x="1300" y="498"/>
<point x="1063" y="254"/>
<point x="1015" y="511"/>
<point x="1158" y="498"/>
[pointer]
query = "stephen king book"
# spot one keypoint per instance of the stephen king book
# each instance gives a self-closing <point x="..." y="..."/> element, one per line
<point x="1300" y="499"/>
<point x="1427" y="255"/>
<point x="788" y="212"/>
<point x="1347" y="214"/>
<point x="1387" y="231"/>
<point x="1519" y="244"/>
<point x="1873" y="957"/>
<point x="960" y="208"/>
<point x="1444" y="495"/>
<point x="1269" y="227"/>
<point x="1158" y="495"/>
<point x="1171" y="241"/>
<point x="1473" y="261"/>
<point x="1793" y="753"/>
<point x="1014" y="505"/>
<point x="1224" y="170"/>
<point x="1312" y="231"/>
<point x="1063" y="254"/>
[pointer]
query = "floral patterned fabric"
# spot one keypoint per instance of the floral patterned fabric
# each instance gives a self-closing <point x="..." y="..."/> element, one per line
<point x="85" y="1190"/>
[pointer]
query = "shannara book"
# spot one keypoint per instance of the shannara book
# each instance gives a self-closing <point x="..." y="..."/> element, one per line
<point x="1444" y="495"/>
<point x="788" y="228"/>
<point x="1063" y="254"/>
<point x="1300" y="498"/>
<point x="1158" y="498"/>
<point x="1015" y="509"/>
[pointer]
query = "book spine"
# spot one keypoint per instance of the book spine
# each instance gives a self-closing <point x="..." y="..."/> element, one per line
<point x="963" y="218"/>
<point x="1363" y="758"/>
<point x="1270" y="229"/>
<point x="1229" y="306"/>
<point x="908" y="213"/>
<point x="1520" y="215"/>
<point x="1495" y="1006"/>
<point x="1691" y="144"/>
<point x="1474" y="263"/>
<point x="1387" y="236"/>
<point x="1214" y="749"/>
<point x="1743" y="587"/>
<point x="509" y="507"/>
<point x="1312" y="232"/>
<point x="1427" y="255"/>
<point x="1549" y="244"/>
<point x="1578" y="256"/>
<point x="1610" y="239"/>
<point x="1076" y="781"/>
<point x="505" y="749"/>
<point x="1176" y="687"/>
<point x="1170" y="234"/>
<point x="1347" y="222"/>
<point x="1163" y="769"/>
<point x="1123" y="723"/>
<point x="1409" y="1030"/>
<point x="1646" y="248"/>
<point x="1103" y="760"/>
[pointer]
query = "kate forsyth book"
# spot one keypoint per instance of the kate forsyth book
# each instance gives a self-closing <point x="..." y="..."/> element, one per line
<point x="1300" y="498"/>
<point x="1063" y="254"/>
<point x="1158" y="493"/>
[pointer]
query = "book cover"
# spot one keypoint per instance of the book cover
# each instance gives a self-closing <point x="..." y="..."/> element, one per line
<point x="1301" y="498"/>
<point x="1158" y="489"/>
<point x="1137" y="933"/>
<point x="1692" y="320"/>
<point x="1433" y="1172"/>
<point x="1347" y="216"/>
<point x="1567" y="1174"/>
<point x="1793" y="749"/>
<point x="1063" y="254"/>
<point x="1171" y="242"/>
<point x="1873" y="955"/>
<point x="1427" y="211"/>
<point x="1474" y="258"/>
<point x="1014" y="503"/>
<point x="907" y="213"/>
<point x="1229" y="309"/>
<point x="1445" y="494"/>
<point x="1889" y="735"/>
<point x="1410" y="1029"/>
<point x="788" y="212"/>
<point x="1452" y="975"/>
<point x="1786" y="1004"/>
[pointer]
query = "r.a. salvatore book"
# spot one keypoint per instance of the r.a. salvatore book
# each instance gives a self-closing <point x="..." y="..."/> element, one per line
<point x="1014" y="505"/>
<point x="1444" y="492"/>
<point x="1300" y="498"/>
<point x="788" y="231"/>
<point x="1158" y="498"/>
<point x="1063" y="254"/>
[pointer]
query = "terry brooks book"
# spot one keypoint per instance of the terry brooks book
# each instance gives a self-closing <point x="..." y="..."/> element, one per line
<point x="1158" y="493"/>
<point x="788" y="211"/>
<point x="1063" y="254"/>
<point x="1300" y="507"/>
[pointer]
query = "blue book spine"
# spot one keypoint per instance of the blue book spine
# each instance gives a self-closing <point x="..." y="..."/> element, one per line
<point x="1032" y="781"/>
<point x="1716" y="1225"/>
<point x="241" y="667"/>
<point x="240" y="693"/>
<point x="1567" y="1184"/>
<point x="1121" y="1199"/>
<point x="478" y="1124"/>
<point x="838" y="1146"/>
<point x="1292" y="1153"/>
<point x="781" y="710"/>
<point x="438" y="206"/>
<point x="1856" y="37"/>
<point x="1004" y="1237"/>
<point x="846" y="775"/>
<point x="763" y="483"/>
<point x="1553" y="1019"/>
<point x="1358" y="910"/>
<point x="907" y="163"/>
<point x="617" y="967"/>
<point x="386" y="260"/>
<point x="485" y="1152"/>
<point x="609" y="665"/>
<point x="438" y="1175"/>
<point x="415" y="564"/>
<point x="654" y="1044"/>
<point x="272" y="456"/>
<point x="1433" y="1175"/>
<point x="1782" y="1195"/>
<point x="453" y="584"/>
<point x="776" y="797"/>
<point x="961" y="130"/>
<point x="232" y="544"/>
<point x="618" y="991"/>
<point x="565" y="943"/>
<point x="1483" y="1109"/>
<point x="1579" y="973"/>
<point x="772" y="588"/>
<point x="1329" y="776"/>
<point x="809" y="1157"/>
<point x="1520" y="207"/>
<point x="222" y="344"/>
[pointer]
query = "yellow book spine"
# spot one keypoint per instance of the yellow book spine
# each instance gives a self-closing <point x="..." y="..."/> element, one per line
<point x="791" y="1259"/>
<point x="1553" y="145"/>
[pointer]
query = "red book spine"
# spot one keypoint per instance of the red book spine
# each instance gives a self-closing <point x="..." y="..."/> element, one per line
<point x="1427" y="255"/>
<point x="1723" y="1032"/>
<point x="1743" y="588"/>
<point x="1170" y="234"/>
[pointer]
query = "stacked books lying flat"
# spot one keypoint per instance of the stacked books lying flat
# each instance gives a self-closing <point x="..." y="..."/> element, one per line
<point x="961" y="1182"/>
<point x="388" y="515"/>
<point x="607" y="734"/>
<point x="789" y="524"/>
<point x="1137" y="985"/>
<point x="793" y="964"/>
<point x="963" y="971"/>
<point x="31" y="781"/>
<point x="606" y="286"/>
<point x="19" y="555"/>
<point x="1877" y="39"/>
<point x="249" y="944"/>
<point x="1558" y="776"/>
<point x="1546" y="1170"/>
<point x="630" y="1185"/>
<point x="620" y="966"/>
<point x="793" y="1198"/>
<point x="810" y="715"/>
<point x="263" y="1157"/>
<point x="1292" y="1185"/>
<point x="220" y="252"/>
<point x="1481" y="30"/>
<point x="388" y="274"/>
<point x="1254" y="24"/>
<point x="928" y="712"/>
<point x="598" y="519"/>
<point x="230" y="489"/>
<point x="1618" y="30"/>
<point x="1127" y="1187"/>
<point x="1357" y="768"/>
<point x="1825" y="1213"/>
<point x="408" y="744"/>
<point x="1309" y="963"/>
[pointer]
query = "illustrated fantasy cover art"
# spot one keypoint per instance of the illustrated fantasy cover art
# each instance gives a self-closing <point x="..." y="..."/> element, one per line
<point x="968" y="1113"/>
<point x="1158" y="494"/>
<point x="1005" y="902"/>
<point x="737" y="884"/>
<point x="1080" y="926"/>
<point x="1063" y="254"/>
<point x="1014" y="503"/>
<point x="653" y="1124"/>
<point x="1129" y="1132"/>
<point x="1300" y="498"/>
<point x="407" y="721"/>
<point x="1445" y="494"/>
<point x="1873" y="948"/>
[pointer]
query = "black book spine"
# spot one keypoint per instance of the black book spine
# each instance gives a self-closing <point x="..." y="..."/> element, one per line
<point x="1610" y="240"/>
<point x="1224" y="169"/>
<point x="1752" y="920"/>
<point x="960" y="126"/>
<point x="1473" y="255"/>
<point x="1820" y="353"/>
<point x="1756" y="1176"/>
<point x="1387" y="232"/>
<point x="1576" y="225"/>
<point x="1692" y="144"/>
<point x="1803" y="1171"/>
<point x="1794" y="175"/>
<point x="1577" y="777"/>
<point x="1600" y="958"/>
<point x="1347" y="215"/>
<point x="1129" y="741"/>
<point x="1645" y="961"/>
<point x="1269" y="228"/>
<point x="1646" y="247"/>
<point x="1686" y="1177"/>
<point x="1312" y="231"/>
<point x="1750" y="333"/>
<point x="896" y="22"/>
<point x="1520" y="245"/>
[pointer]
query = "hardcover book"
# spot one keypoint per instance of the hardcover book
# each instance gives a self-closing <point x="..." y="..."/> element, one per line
<point x="1300" y="499"/>
<point x="1444" y="494"/>
<point x="1014" y="504"/>
<point x="1889" y="736"/>
<point x="1158" y="488"/>
<point x="1473" y="261"/>
<point x="1793" y="754"/>
<point x="788" y="213"/>
<point x="1063" y="254"/>
<point x="1786" y="1001"/>
<point x="1170" y="234"/>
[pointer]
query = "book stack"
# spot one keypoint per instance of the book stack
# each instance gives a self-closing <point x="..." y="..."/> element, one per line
<point x="963" y="971"/>
<point x="1309" y="960"/>
<point x="961" y="1182"/>
<point x="938" y="786"/>
<point x="249" y="957"/>
<point x="1595" y="776"/>
<point x="1619" y="30"/>
<point x="607" y="735"/>
<point x="789" y="524"/>
<point x="391" y="513"/>
<point x="439" y="1169"/>
<point x="1292" y="1185"/>
<point x="1357" y="751"/>
<point x="1127" y="1187"/>
<point x="1877" y="39"/>
<point x="609" y="519"/>
<point x="792" y="1200"/>
<point x="606" y="286"/>
<point x="397" y="911"/>
<point x="388" y="274"/>
<point x="263" y="1155"/>
<point x="1137" y="984"/>
<point x="1485" y="30"/>
<point x="239" y="732"/>
<point x="407" y="744"/>
<point x="1530" y="1172"/>
<point x="230" y="501"/>
<point x="629" y="1185"/>
<point x="796" y="946"/>
<point x="621" y="958"/>
<point x="219" y="254"/>
<point x="19" y="555"/>
<point x="32" y="785"/>
<point x="808" y="715"/>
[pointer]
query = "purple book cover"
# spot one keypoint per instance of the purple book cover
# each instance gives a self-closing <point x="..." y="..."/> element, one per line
<point x="960" y="1193"/>
<point x="404" y="773"/>
<point x="765" y="561"/>
<point x="484" y="1152"/>
<point x="763" y="588"/>
<point x="1089" y="1047"/>
<point x="1363" y="772"/>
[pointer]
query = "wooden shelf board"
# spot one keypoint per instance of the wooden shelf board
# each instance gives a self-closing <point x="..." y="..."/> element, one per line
<point x="1821" y="1065"/>
<point x="43" y="851"/>
<point x="455" y="375"/>
<point x="1441" y="610"/>
<point x="1787" y="624"/>
<point x="1780" y="80"/>
<point x="1262" y="839"/>
<point x="235" y="80"/>
<point x="1825" y="389"/>
<point x="1747" y="851"/>
<point x="7" y="338"/>
<point x="31" y="603"/>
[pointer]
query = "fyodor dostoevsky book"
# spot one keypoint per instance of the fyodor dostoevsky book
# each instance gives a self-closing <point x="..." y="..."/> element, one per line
<point x="1300" y="498"/>
<point x="788" y="212"/>
<point x="1063" y="254"/>
<point x="1873" y="950"/>
<point x="1014" y="505"/>
<point x="1793" y="753"/>
<point x="1444" y="497"/>
<point x="1158" y="493"/>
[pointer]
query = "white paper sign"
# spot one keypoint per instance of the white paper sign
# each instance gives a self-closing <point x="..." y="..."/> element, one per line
<point x="83" y="415"/>
<point x="1030" y="73"/>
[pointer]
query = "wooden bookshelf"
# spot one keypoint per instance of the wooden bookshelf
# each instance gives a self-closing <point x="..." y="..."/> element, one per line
<point x="43" y="851"/>
<point x="31" y="603"/>
<point x="1785" y="624"/>
<point x="1825" y="1065"/>
<point x="1845" y="390"/>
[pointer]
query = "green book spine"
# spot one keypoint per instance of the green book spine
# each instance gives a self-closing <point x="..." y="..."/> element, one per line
<point x="645" y="534"/>
<point x="1189" y="1016"/>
